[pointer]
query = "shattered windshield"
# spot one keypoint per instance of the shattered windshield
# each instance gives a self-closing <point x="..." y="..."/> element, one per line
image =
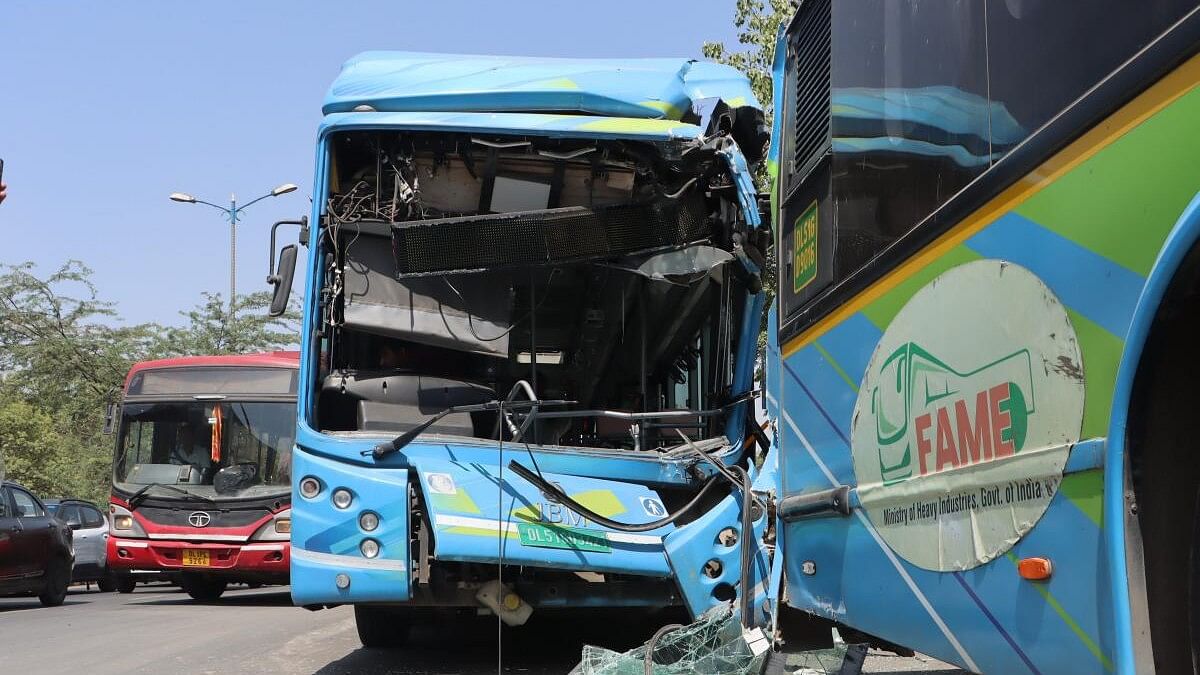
<point x="207" y="448"/>
<point x="601" y="273"/>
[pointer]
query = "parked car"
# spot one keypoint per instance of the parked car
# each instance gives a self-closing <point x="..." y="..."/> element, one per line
<point x="36" y="551"/>
<point x="90" y="540"/>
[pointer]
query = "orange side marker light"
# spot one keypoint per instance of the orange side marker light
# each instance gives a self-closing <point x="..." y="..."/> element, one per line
<point x="1035" y="569"/>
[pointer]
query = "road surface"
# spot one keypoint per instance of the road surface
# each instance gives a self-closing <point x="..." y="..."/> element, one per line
<point x="159" y="629"/>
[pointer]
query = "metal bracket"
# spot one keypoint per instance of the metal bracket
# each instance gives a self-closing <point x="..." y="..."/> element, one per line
<point x="834" y="501"/>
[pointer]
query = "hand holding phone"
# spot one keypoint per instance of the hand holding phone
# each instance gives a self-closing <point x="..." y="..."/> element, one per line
<point x="3" y="191"/>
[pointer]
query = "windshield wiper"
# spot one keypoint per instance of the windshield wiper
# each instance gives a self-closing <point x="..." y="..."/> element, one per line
<point x="140" y="496"/>
<point x="494" y="405"/>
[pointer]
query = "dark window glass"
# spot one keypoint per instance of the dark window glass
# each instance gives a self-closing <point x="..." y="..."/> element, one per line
<point x="1044" y="54"/>
<point x="214" y="380"/>
<point x="206" y="445"/>
<point x="91" y="517"/>
<point x="69" y="514"/>
<point x="926" y="96"/>
<point x="4" y="508"/>
<point x="27" y="506"/>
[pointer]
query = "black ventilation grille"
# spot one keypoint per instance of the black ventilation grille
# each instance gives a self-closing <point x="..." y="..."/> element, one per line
<point x="540" y="237"/>
<point x="809" y="47"/>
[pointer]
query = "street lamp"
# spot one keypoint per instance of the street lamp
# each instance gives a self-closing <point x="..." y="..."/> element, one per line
<point x="233" y="212"/>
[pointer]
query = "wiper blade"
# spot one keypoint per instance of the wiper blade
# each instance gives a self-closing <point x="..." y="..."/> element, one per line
<point x="137" y="497"/>
<point x="140" y="496"/>
<point x="388" y="447"/>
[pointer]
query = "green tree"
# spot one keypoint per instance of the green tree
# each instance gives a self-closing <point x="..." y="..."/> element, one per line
<point x="211" y="330"/>
<point x="758" y="23"/>
<point x="64" y="353"/>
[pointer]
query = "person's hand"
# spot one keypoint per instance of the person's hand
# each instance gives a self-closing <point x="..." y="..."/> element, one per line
<point x="3" y="191"/>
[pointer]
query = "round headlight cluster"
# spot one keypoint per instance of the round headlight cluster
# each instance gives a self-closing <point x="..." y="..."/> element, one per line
<point x="342" y="498"/>
<point x="369" y="548"/>
<point x="310" y="487"/>
<point x="368" y="521"/>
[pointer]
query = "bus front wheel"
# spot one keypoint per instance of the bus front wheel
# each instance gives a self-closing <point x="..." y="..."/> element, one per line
<point x="382" y="627"/>
<point x="202" y="588"/>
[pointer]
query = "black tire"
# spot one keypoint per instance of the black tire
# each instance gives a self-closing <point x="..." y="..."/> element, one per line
<point x="58" y="578"/>
<point x="107" y="584"/>
<point x="202" y="588"/>
<point x="125" y="583"/>
<point x="382" y="627"/>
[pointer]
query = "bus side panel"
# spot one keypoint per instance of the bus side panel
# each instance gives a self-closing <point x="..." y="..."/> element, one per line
<point x="1089" y="225"/>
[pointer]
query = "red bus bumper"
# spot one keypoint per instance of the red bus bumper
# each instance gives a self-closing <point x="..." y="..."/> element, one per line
<point x="267" y="561"/>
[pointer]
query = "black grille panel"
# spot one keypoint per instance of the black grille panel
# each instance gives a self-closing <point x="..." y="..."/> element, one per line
<point x="541" y="237"/>
<point x="809" y="46"/>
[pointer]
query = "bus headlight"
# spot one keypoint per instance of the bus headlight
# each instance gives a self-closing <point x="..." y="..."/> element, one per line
<point x="368" y="521"/>
<point x="342" y="498"/>
<point x="310" y="487"/>
<point x="122" y="522"/>
<point x="369" y="548"/>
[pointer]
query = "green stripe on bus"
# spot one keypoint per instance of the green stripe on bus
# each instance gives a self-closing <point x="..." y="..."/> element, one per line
<point x="837" y="367"/>
<point x="1122" y="202"/>
<point x="1086" y="639"/>
<point x="1101" y="357"/>
<point x="883" y="310"/>
<point x="1086" y="491"/>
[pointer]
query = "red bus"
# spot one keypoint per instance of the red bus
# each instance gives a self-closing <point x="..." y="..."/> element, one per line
<point x="201" y="487"/>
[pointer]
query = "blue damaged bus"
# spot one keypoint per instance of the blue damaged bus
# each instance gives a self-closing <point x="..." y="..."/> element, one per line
<point x="981" y="363"/>
<point x="534" y="292"/>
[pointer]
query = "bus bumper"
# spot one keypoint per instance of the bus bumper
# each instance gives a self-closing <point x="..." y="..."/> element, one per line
<point x="258" y="559"/>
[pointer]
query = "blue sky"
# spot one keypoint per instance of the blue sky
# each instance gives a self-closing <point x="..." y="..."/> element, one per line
<point x="106" y="108"/>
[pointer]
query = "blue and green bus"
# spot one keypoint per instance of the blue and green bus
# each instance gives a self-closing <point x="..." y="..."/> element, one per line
<point x="534" y="293"/>
<point x="989" y="288"/>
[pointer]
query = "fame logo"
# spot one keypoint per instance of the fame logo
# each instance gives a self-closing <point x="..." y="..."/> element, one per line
<point x="930" y="417"/>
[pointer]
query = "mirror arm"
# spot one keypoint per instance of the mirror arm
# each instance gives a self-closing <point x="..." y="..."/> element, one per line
<point x="303" y="238"/>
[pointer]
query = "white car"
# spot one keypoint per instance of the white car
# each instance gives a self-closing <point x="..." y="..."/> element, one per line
<point x="90" y="541"/>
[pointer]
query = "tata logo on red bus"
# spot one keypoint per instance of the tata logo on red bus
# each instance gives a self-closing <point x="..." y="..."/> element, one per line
<point x="931" y="417"/>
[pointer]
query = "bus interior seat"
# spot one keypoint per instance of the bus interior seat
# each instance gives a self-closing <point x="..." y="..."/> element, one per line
<point x="392" y="401"/>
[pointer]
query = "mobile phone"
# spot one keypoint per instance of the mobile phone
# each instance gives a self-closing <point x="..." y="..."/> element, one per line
<point x="1" y="170"/>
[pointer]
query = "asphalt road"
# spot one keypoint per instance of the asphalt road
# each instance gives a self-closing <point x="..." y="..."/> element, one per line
<point x="159" y="629"/>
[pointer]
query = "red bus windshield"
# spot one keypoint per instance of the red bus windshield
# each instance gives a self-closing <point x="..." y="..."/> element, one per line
<point x="208" y="448"/>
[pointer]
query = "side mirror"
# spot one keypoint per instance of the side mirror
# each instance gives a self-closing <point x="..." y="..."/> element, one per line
<point x="282" y="279"/>
<point x="110" y="417"/>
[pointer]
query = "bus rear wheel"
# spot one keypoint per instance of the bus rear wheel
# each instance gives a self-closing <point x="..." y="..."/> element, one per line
<point x="202" y="588"/>
<point x="382" y="627"/>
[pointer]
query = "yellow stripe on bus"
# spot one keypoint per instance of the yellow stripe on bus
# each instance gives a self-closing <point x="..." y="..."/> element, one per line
<point x="1164" y="92"/>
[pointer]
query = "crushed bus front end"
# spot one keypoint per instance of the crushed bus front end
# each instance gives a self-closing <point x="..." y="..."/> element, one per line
<point x="530" y="333"/>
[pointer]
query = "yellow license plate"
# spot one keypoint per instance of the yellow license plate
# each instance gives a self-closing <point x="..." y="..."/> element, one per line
<point x="195" y="557"/>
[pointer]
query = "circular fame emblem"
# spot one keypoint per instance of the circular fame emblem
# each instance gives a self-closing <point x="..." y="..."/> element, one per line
<point x="966" y="415"/>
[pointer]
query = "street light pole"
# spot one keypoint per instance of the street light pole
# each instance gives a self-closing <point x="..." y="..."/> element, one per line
<point x="233" y="213"/>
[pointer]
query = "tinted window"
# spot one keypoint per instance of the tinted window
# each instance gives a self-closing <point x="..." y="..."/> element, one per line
<point x="69" y="514"/>
<point x="214" y="380"/>
<point x="4" y="508"/>
<point x="91" y="517"/>
<point x="27" y="506"/>
<point x="925" y="97"/>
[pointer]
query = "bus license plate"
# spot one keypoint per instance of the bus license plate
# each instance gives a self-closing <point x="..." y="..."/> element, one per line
<point x="195" y="557"/>
<point x="562" y="537"/>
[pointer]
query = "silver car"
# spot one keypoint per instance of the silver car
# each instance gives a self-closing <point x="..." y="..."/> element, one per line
<point x="91" y="540"/>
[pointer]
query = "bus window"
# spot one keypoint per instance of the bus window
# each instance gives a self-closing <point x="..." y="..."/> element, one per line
<point x="1044" y="54"/>
<point x="920" y="99"/>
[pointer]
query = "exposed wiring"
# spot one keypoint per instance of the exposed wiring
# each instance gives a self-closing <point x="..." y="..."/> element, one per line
<point x="470" y="315"/>
<point x="648" y="663"/>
